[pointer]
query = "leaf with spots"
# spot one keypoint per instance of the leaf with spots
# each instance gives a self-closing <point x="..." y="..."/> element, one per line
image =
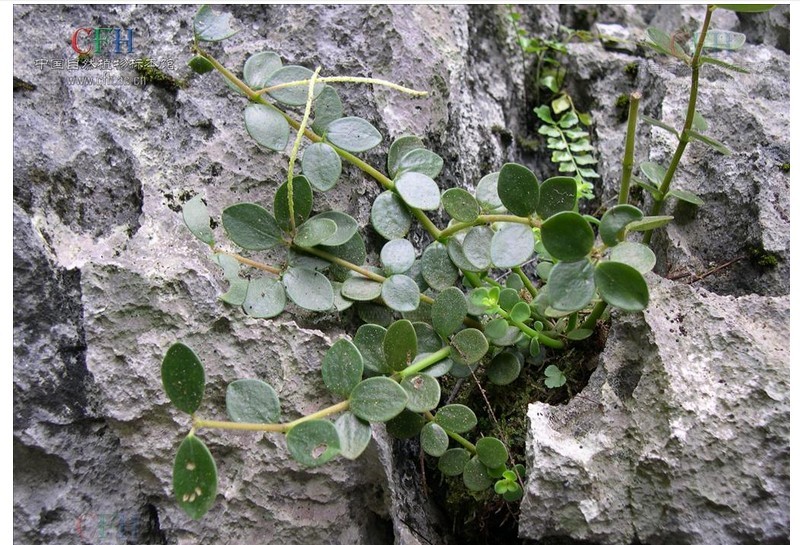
<point x="183" y="378"/>
<point x="194" y="477"/>
<point x="314" y="442"/>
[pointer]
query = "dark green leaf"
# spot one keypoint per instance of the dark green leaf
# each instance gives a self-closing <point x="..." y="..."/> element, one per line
<point x="327" y="108"/>
<point x="448" y="311"/>
<point x="418" y="190"/>
<point x="400" y="345"/>
<point x="354" y="435"/>
<point x="686" y="196"/>
<point x="259" y="67"/>
<point x="315" y="231"/>
<point x="195" y="215"/>
<point x="303" y="201"/>
<point x="433" y="439"/>
<point x="321" y="166"/>
<point x="460" y="205"/>
<point x="399" y="149"/>
<point x="621" y="286"/>
<point x="265" y="297"/>
<point x="194" y="477"/>
<point x="308" y="289"/>
<point x="369" y="341"/>
<point x="400" y="293"/>
<point x="212" y="27"/>
<point x="314" y="442"/>
<point x="296" y="95"/>
<point x="437" y="269"/>
<point x="353" y="134"/>
<point x="183" y="378"/>
<point x="475" y="475"/>
<point x="251" y="227"/>
<point x="251" y="400"/>
<point x="423" y="392"/>
<point x="612" y="225"/>
<point x="491" y="452"/>
<point x="456" y="418"/>
<point x="427" y="339"/>
<point x="579" y="334"/>
<point x="694" y="135"/>
<point x="342" y="367"/>
<point x="477" y="247"/>
<point x="422" y="161"/>
<point x="496" y="329"/>
<point x="452" y="462"/>
<point x="359" y="288"/>
<point x="508" y="298"/>
<point x="571" y="285"/>
<point x="397" y="256"/>
<point x="200" y="65"/>
<point x="512" y="245"/>
<point x="372" y="313"/>
<point x="567" y="236"/>
<point x="518" y="189"/>
<point x="405" y="425"/>
<point x="377" y="399"/>
<point x="557" y="194"/>
<point x="639" y="256"/>
<point x="486" y="193"/>
<point x="469" y="346"/>
<point x="503" y="369"/>
<point x="352" y="251"/>
<point x="389" y="216"/>
<point x="649" y="222"/>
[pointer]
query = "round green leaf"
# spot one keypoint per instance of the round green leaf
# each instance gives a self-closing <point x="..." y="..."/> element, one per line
<point x="421" y="160"/>
<point x="183" y="378"/>
<point x="400" y="345"/>
<point x="496" y="329"/>
<point x="315" y="231"/>
<point x="400" y="293"/>
<point x="504" y="369"/>
<point x="266" y="126"/>
<point x="397" y="256"/>
<point x="308" y="289"/>
<point x="477" y="247"/>
<point x="259" y="67"/>
<point x="389" y="216"/>
<point x="557" y="194"/>
<point x="491" y="452"/>
<point x="456" y="253"/>
<point x="486" y="193"/>
<point x="469" y="346"/>
<point x="327" y="108"/>
<point x="399" y="149"/>
<point x="353" y="134"/>
<point x="476" y="478"/>
<point x="579" y="334"/>
<point x="340" y="304"/>
<point x="405" y="425"/>
<point x="303" y="201"/>
<point x="427" y="339"/>
<point x="265" y="297"/>
<point x="437" y="269"/>
<point x="194" y="477"/>
<point x="377" y="399"/>
<point x="448" y="311"/>
<point x="251" y="400"/>
<point x="518" y="189"/>
<point x="512" y="245"/>
<point x="508" y="298"/>
<point x="621" y="286"/>
<point x="346" y="227"/>
<point x="342" y="367"/>
<point x="520" y="312"/>
<point x="612" y="225"/>
<point x="251" y="227"/>
<point x="200" y="65"/>
<point x="423" y="392"/>
<point x="321" y="166"/>
<point x="359" y="288"/>
<point x="456" y="418"/>
<point x="433" y="439"/>
<point x="314" y="442"/>
<point x="567" y="236"/>
<point x="571" y="285"/>
<point x="195" y="215"/>
<point x="369" y="341"/>
<point x="637" y="255"/>
<point x="460" y="204"/>
<point x="654" y="172"/>
<point x="452" y="462"/>
<point x="514" y="492"/>
<point x="354" y="435"/>
<point x="210" y="26"/>
<point x="296" y="95"/>
<point x="418" y="190"/>
<point x="353" y="251"/>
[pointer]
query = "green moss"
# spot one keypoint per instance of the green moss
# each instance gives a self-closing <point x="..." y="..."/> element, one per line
<point x="785" y="167"/>
<point x="621" y="105"/>
<point x="505" y="135"/>
<point x="762" y="258"/>
<point x="632" y="69"/>
<point x="153" y="75"/>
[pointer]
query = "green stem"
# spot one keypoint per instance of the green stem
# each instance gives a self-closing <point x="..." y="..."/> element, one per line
<point x="255" y="264"/>
<point x="683" y="141"/>
<point x="454" y="436"/>
<point x="597" y="311"/>
<point x="572" y="321"/>
<point x="488" y="218"/>
<point x="630" y="141"/>
<point x="526" y="281"/>
<point x="424" y="363"/>
<point x="276" y="428"/>
<point x="530" y="332"/>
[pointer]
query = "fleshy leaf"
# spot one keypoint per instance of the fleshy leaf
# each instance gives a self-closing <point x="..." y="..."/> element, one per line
<point x="476" y="478"/>
<point x="400" y="293"/>
<point x="686" y="196"/>
<point x="327" y="108"/>
<point x="452" y="462"/>
<point x="512" y="245"/>
<point x="321" y="166"/>
<point x="266" y="126"/>
<point x="557" y="194"/>
<point x="423" y="392"/>
<point x="342" y="367"/>
<point x="195" y="215"/>
<point x="259" y="67"/>
<point x="460" y="205"/>
<point x="477" y="247"/>
<point x="654" y="172"/>
<point x="308" y="289"/>
<point x="296" y="95"/>
<point x="612" y="225"/>
<point x="183" y="378"/>
<point x="567" y="236"/>
<point x="359" y="288"/>
<point x="486" y="193"/>
<point x="389" y="216"/>
<point x="491" y="452"/>
<point x="397" y="256"/>
<point x="649" y="222"/>
<point x="354" y="435"/>
<point x="621" y="286"/>
<point x="200" y="65"/>
<point x="303" y="201"/>
<point x="369" y="341"/>
<point x="210" y="26"/>
<point x="315" y="231"/>
<point x="378" y="399"/>
<point x="456" y="418"/>
<point x="421" y="160"/>
<point x="570" y="286"/>
<point x="437" y="269"/>
<point x="346" y="227"/>
<point x="503" y="369"/>
<point x="518" y="189"/>
<point x="265" y="297"/>
<point x="448" y="311"/>
<point x="252" y="400"/>
<point x="400" y="345"/>
<point x="405" y="425"/>
<point x="469" y="346"/>
<point x="353" y="134"/>
<point x="418" y="190"/>
<point x="251" y="227"/>
<point x="694" y="135"/>
<point x="399" y="149"/>
<point x="194" y="477"/>
<point x="313" y="443"/>
<point x="637" y="255"/>
<point x="434" y="439"/>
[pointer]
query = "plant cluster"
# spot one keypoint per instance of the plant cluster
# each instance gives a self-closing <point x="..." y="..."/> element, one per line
<point x="430" y="312"/>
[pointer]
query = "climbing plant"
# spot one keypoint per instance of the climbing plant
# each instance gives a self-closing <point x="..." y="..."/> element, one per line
<point x="460" y="302"/>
